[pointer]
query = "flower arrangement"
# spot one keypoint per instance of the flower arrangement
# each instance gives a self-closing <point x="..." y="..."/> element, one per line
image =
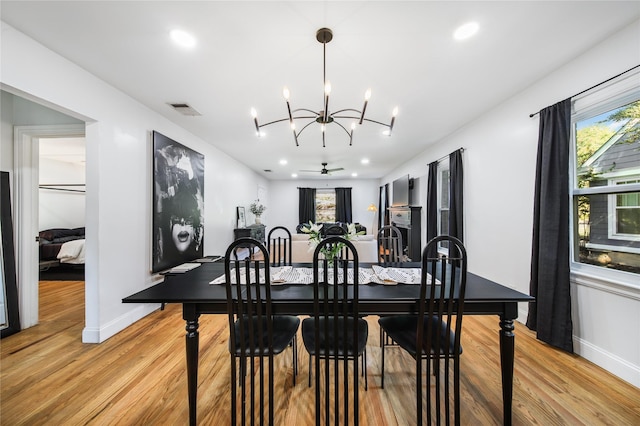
<point x="257" y="209"/>
<point x="315" y="236"/>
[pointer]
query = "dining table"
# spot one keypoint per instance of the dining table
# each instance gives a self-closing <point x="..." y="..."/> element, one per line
<point x="202" y="291"/>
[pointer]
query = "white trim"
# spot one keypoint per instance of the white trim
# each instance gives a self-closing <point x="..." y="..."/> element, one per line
<point x="99" y="335"/>
<point x="607" y="360"/>
<point x="608" y="247"/>
<point x="25" y="148"/>
<point x="612" y="208"/>
<point x="612" y="281"/>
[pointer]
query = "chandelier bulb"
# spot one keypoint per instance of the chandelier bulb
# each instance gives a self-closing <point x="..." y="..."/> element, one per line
<point x="293" y="125"/>
<point x="353" y="125"/>
<point x="367" y="94"/>
<point x="327" y="88"/>
<point x="254" y="113"/>
<point x="322" y="126"/>
<point x="395" y="112"/>
<point x="285" y="93"/>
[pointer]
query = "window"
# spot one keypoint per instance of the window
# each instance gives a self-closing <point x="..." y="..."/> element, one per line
<point x="626" y="208"/>
<point x="325" y="205"/>
<point x="443" y="201"/>
<point x="605" y="185"/>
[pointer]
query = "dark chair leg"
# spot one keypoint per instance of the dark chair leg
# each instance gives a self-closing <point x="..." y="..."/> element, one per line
<point x="382" y="377"/>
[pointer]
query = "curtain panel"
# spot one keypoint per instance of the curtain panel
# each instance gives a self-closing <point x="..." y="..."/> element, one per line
<point x="307" y="205"/>
<point x="343" y="205"/>
<point x="387" y="220"/>
<point x="432" y="206"/>
<point x="550" y="314"/>
<point x="456" y="206"/>
<point x="380" y="208"/>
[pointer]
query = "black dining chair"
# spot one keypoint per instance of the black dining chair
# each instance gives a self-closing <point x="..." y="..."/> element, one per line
<point x="390" y="246"/>
<point x="279" y="241"/>
<point x="254" y="332"/>
<point x="434" y="333"/>
<point x="335" y="332"/>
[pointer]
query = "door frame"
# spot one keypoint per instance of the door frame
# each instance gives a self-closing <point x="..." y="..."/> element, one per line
<point x="26" y="181"/>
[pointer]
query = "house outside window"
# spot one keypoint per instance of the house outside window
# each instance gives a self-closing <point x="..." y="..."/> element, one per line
<point x="626" y="208"/>
<point x="325" y="205"/>
<point x="605" y="184"/>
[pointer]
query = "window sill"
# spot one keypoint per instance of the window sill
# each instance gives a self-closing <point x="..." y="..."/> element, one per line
<point x="607" y="280"/>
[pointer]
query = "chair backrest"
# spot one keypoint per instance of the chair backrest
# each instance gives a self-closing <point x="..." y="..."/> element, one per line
<point x="390" y="246"/>
<point x="335" y="294"/>
<point x="442" y="305"/>
<point x="248" y="289"/>
<point x="279" y="241"/>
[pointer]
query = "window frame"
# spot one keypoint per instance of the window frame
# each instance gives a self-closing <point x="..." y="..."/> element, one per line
<point x="613" y="207"/>
<point x="325" y="191"/>
<point x="443" y="166"/>
<point x="608" y="96"/>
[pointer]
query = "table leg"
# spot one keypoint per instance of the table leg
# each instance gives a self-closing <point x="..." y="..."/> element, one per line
<point x="192" y="342"/>
<point x="507" y="349"/>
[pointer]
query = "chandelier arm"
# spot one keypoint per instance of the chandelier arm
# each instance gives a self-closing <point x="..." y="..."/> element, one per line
<point x="349" y="133"/>
<point x="346" y="109"/>
<point x="305" y="126"/>
<point x="275" y="121"/>
<point x="315" y="114"/>
<point x="377" y="122"/>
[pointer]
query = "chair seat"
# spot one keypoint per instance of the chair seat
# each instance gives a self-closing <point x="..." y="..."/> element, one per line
<point x="309" y="338"/>
<point x="284" y="328"/>
<point x="402" y="329"/>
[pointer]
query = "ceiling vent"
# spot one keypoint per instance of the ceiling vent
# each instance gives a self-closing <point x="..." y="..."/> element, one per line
<point x="185" y="109"/>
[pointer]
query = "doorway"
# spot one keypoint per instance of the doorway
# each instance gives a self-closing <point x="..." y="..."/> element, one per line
<point x="26" y="180"/>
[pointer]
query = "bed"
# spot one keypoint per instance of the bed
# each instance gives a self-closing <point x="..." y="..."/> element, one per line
<point x="61" y="245"/>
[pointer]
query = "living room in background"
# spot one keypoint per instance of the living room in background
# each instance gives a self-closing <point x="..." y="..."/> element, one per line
<point x="178" y="203"/>
<point x="606" y="180"/>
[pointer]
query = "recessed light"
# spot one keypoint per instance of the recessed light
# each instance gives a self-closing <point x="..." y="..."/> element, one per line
<point x="365" y="161"/>
<point x="465" y="31"/>
<point x="354" y="174"/>
<point x="183" y="38"/>
<point x="294" y="175"/>
<point x="283" y="162"/>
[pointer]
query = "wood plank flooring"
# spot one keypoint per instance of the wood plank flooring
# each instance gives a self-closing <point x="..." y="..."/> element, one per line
<point x="138" y="376"/>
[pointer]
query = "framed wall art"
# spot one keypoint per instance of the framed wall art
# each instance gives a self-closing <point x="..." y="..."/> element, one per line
<point x="178" y="203"/>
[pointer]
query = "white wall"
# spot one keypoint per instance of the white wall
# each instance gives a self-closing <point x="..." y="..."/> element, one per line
<point x="283" y="206"/>
<point x="499" y="167"/>
<point x="61" y="209"/>
<point x="118" y="177"/>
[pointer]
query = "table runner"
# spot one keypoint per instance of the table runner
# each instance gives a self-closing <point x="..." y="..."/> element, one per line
<point x="376" y="274"/>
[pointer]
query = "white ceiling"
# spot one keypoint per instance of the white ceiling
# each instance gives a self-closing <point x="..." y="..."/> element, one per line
<point x="247" y="51"/>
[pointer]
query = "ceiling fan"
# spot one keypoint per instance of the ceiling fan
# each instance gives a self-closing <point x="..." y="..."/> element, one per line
<point x="324" y="170"/>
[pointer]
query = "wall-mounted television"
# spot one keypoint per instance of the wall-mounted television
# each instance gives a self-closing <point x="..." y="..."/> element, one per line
<point x="401" y="191"/>
<point x="178" y="204"/>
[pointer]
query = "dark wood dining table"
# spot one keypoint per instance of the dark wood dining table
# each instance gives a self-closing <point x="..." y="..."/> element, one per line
<point x="193" y="290"/>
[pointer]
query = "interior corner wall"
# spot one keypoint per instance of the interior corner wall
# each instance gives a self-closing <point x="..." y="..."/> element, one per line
<point x="499" y="172"/>
<point x="118" y="178"/>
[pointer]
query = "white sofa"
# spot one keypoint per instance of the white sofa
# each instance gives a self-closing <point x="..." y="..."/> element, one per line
<point x="366" y="246"/>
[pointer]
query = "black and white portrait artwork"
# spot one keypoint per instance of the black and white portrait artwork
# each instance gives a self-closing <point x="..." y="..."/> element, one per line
<point x="178" y="203"/>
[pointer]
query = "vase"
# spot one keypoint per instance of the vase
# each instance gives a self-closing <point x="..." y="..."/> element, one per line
<point x="258" y="221"/>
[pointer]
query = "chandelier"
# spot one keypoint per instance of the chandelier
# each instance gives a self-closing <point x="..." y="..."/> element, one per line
<point x="324" y="116"/>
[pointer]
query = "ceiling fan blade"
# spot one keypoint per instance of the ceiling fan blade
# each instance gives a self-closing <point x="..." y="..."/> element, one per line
<point x="310" y="171"/>
<point x="335" y="170"/>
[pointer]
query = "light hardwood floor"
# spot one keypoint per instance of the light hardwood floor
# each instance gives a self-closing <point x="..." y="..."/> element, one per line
<point x="137" y="377"/>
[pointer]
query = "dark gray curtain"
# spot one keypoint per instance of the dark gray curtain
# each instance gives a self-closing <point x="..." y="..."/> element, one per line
<point x="343" y="205"/>
<point x="432" y="206"/>
<point x="380" y="208"/>
<point x="550" y="314"/>
<point x="387" y="220"/>
<point x="456" y="206"/>
<point x="307" y="205"/>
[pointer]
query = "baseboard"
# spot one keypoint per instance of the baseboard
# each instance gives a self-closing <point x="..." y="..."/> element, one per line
<point x="610" y="362"/>
<point x="99" y="335"/>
